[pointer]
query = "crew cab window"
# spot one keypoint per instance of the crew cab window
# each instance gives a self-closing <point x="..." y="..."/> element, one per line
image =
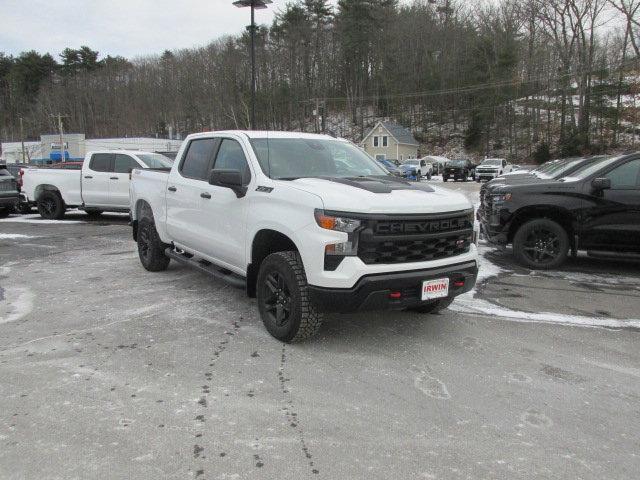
<point x="231" y="157"/>
<point x="626" y="175"/>
<point x="124" y="163"/>
<point x="195" y="163"/>
<point x="101" y="162"/>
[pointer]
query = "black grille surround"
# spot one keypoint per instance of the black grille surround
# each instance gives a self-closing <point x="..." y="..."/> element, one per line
<point x="390" y="239"/>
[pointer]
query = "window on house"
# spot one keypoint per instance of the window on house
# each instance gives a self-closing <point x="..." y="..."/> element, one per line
<point x="384" y="141"/>
<point x="375" y="141"/>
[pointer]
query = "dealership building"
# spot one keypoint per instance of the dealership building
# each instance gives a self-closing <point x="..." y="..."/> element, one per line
<point x="76" y="146"/>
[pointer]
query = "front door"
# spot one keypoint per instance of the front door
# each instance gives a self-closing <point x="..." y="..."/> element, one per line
<point x="613" y="221"/>
<point x="96" y="180"/>
<point x="225" y="213"/>
<point x="186" y="224"/>
<point x="119" y="180"/>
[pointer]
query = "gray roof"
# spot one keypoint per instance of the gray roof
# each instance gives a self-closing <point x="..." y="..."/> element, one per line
<point x="401" y="134"/>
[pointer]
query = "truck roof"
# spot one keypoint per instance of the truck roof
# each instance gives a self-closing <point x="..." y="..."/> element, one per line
<point x="117" y="150"/>
<point x="268" y="134"/>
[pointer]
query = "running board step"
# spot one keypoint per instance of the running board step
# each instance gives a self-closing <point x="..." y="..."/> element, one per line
<point x="208" y="268"/>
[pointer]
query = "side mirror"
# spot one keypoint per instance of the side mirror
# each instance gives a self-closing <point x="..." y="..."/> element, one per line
<point x="230" y="179"/>
<point x="600" y="184"/>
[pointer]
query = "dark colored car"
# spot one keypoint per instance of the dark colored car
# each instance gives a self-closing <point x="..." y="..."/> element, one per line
<point x="459" y="170"/>
<point x="8" y="192"/>
<point x="391" y="167"/>
<point x="595" y="208"/>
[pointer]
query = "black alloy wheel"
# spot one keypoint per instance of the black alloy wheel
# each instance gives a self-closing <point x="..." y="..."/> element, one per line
<point x="541" y="243"/>
<point x="277" y="299"/>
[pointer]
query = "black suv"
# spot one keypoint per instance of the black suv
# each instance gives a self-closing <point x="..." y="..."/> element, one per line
<point x="596" y="208"/>
<point x="8" y="192"/>
<point x="459" y="170"/>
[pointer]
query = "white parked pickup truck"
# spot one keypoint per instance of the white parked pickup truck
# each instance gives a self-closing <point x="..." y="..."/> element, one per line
<point x="102" y="184"/>
<point x="491" y="168"/>
<point x="307" y="224"/>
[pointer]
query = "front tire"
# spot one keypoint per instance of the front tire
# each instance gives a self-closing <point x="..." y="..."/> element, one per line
<point x="150" y="247"/>
<point x="283" y="298"/>
<point x="433" y="307"/>
<point x="541" y="244"/>
<point x="51" y="206"/>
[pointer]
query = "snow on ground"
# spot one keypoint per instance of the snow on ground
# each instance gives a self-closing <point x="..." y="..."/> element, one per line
<point x="471" y="303"/>
<point x="14" y="236"/>
<point x="34" y="218"/>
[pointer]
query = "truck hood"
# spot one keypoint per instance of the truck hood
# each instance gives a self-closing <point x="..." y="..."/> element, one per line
<point x="380" y="195"/>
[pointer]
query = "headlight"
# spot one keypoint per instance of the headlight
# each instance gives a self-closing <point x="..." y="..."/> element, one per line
<point x="501" y="197"/>
<point x="340" y="224"/>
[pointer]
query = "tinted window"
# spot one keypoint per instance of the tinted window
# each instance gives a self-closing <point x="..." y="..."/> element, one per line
<point x="124" y="163"/>
<point x="101" y="162"/>
<point x="231" y="157"/>
<point x="155" y="160"/>
<point x="196" y="160"/>
<point x="626" y="175"/>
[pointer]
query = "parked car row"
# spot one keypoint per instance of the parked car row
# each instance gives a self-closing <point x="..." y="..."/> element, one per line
<point x="590" y="204"/>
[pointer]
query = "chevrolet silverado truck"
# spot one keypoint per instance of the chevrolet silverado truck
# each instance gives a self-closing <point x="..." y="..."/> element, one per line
<point x="307" y="224"/>
<point x="102" y="184"/>
<point x="491" y="168"/>
<point x="595" y="207"/>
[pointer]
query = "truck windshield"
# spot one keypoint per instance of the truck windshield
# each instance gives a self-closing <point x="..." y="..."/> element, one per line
<point x="492" y="162"/>
<point x="291" y="158"/>
<point x="155" y="160"/>
<point x="589" y="169"/>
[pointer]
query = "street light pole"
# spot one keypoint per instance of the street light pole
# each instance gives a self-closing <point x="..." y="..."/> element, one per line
<point x="253" y="4"/>
<point x="253" y="66"/>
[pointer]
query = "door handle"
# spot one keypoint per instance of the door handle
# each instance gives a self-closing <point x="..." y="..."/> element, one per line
<point x="206" y="195"/>
<point x="113" y="178"/>
<point x="88" y="176"/>
<point x="172" y="189"/>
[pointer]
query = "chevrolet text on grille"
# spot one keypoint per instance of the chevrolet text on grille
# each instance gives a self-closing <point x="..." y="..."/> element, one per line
<point x="431" y="226"/>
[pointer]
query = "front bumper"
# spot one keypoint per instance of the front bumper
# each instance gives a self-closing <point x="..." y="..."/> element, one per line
<point x="372" y="292"/>
<point x="487" y="175"/>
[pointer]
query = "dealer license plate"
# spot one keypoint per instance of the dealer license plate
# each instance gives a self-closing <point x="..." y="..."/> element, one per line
<point x="437" y="288"/>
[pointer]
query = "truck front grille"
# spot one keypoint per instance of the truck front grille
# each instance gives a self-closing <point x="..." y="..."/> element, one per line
<point x="410" y="239"/>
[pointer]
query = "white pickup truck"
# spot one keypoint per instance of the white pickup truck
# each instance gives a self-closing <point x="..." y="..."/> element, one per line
<point x="101" y="185"/>
<point x="491" y="168"/>
<point x="307" y="224"/>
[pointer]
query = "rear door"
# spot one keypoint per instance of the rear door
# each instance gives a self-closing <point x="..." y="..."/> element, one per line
<point x="186" y="224"/>
<point x="96" y="179"/>
<point x="613" y="220"/>
<point x="119" y="179"/>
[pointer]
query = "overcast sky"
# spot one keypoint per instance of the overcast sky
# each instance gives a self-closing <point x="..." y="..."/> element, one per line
<point x="120" y="27"/>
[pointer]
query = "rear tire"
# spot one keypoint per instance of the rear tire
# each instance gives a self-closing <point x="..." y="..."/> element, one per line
<point x="150" y="247"/>
<point x="51" y="206"/>
<point x="541" y="244"/>
<point x="283" y="298"/>
<point x="4" y="212"/>
<point x="432" y="307"/>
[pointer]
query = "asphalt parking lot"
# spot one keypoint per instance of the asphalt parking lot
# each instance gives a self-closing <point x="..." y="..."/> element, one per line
<point x="109" y="371"/>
